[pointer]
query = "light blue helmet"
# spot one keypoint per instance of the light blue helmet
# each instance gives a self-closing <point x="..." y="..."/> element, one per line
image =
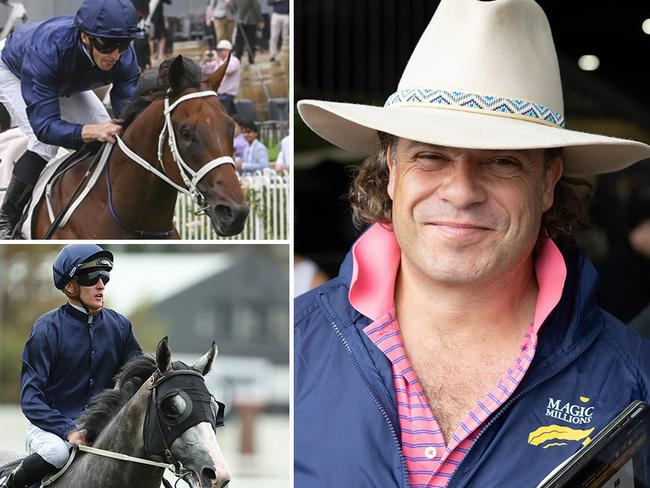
<point x="72" y="256"/>
<point x="113" y="19"/>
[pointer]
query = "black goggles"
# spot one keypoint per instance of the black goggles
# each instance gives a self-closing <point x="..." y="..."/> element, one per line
<point x="90" y="278"/>
<point x="106" y="46"/>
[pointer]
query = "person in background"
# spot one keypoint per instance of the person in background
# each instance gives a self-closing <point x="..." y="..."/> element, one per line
<point x="285" y="157"/>
<point x="249" y="18"/>
<point x="141" y="45"/>
<point x="256" y="156"/>
<point x="160" y="32"/>
<point x="208" y="62"/>
<point x="229" y="87"/>
<point x="279" y="25"/>
<point x="224" y="19"/>
<point x="71" y="355"/>
<point x="239" y="143"/>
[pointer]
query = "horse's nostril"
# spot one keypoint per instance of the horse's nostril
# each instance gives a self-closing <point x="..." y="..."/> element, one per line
<point x="223" y="212"/>
<point x="209" y="473"/>
<point x="225" y="483"/>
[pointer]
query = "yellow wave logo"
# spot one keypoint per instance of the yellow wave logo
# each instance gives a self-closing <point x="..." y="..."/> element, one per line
<point x="547" y="433"/>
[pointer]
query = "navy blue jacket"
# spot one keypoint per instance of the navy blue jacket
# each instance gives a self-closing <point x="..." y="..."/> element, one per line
<point x="50" y="60"/>
<point x="67" y="360"/>
<point x="347" y="430"/>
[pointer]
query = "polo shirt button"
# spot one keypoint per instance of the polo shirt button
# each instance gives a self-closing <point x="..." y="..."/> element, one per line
<point x="92" y="382"/>
<point x="430" y="452"/>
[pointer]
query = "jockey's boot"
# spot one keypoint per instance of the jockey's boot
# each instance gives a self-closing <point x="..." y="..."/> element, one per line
<point x="25" y="175"/>
<point x="32" y="469"/>
<point x="16" y="197"/>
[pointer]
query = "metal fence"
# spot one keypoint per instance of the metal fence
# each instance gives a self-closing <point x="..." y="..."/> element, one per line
<point x="268" y="196"/>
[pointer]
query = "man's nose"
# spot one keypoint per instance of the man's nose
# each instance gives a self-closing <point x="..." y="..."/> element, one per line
<point x="462" y="186"/>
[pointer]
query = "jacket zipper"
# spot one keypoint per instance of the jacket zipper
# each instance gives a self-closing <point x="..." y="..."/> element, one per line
<point x="521" y="394"/>
<point x="374" y="397"/>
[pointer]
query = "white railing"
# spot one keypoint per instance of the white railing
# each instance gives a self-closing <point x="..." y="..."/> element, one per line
<point x="268" y="196"/>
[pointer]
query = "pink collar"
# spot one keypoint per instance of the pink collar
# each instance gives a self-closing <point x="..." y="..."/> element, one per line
<point x="376" y="258"/>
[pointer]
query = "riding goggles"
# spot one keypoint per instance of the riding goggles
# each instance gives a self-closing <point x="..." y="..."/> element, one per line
<point x="107" y="45"/>
<point x="90" y="278"/>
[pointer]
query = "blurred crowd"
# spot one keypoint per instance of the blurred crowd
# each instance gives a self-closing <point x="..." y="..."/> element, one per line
<point x="233" y="29"/>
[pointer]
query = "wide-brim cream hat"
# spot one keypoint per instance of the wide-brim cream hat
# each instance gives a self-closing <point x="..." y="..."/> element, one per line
<point x="484" y="75"/>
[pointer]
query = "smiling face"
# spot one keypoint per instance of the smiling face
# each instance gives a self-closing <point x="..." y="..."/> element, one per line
<point x="468" y="216"/>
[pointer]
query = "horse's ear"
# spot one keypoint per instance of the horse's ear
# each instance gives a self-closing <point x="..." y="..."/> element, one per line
<point x="176" y="73"/>
<point x="163" y="355"/>
<point x="215" y="79"/>
<point x="204" y="363"/>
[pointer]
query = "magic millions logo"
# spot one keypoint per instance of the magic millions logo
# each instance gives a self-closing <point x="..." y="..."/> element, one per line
<point x="571" y="413"/>
<point x="576" y="414"/>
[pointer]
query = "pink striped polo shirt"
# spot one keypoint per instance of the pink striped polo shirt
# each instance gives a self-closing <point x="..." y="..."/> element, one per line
<point x="430" y="462"/>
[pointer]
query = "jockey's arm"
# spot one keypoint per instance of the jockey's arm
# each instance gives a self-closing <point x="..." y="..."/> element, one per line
<point x="37" y="367"/>
<point x="131" y="346"/>
<point x="38" y="83"/>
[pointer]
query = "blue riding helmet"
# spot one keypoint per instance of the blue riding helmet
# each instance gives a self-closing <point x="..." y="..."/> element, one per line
<point x="73" y="256"/>
<point x="112" y="19"/>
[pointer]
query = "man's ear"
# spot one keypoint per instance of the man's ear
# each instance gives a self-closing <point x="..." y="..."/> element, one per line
<point x="390" y="163"/>
<point x="69" y="287"/>
<point x="85" y="39"/>
<point x="552" y="175"/>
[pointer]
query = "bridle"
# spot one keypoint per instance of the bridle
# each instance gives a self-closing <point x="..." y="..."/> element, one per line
<point x="153" y="427"/>
<point x="190" y="177"/>
<point x="159" y="434"/>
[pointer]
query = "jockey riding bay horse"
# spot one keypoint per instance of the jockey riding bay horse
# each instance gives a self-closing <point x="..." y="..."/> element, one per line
<point x="177" y="137"/>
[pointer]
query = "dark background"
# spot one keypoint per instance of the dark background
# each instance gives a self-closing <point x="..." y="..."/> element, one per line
<point x="355" y="51"/>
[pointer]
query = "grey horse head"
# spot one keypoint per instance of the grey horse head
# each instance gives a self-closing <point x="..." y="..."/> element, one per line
<point x="195" y="447"/>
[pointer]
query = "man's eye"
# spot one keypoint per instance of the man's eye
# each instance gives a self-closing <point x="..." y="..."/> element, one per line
<point x="503" y="166"/>
<point x="430" y="161"/>
<point x="505" y="162"/>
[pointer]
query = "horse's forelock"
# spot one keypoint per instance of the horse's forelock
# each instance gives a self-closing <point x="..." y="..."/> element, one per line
<point x="182" y="74"/>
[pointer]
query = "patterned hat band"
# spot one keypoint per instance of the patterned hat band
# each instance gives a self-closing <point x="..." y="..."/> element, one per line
<point x="456" y="100"/>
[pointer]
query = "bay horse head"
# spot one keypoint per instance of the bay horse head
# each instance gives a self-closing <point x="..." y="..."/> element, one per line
<point x="201" y="135"/>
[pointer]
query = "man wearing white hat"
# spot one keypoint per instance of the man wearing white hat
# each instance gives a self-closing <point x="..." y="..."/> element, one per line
<point x="230" y="85"/>
<point x="461" y="344"/>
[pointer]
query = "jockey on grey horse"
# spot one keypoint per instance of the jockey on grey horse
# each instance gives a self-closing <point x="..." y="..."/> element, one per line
<point x="72" y="354"/>
<point x="47" y="72"/>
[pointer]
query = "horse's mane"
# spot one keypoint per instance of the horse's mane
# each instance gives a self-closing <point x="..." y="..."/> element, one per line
<point x="106" y="405"/>
<point x="154" y="87"/>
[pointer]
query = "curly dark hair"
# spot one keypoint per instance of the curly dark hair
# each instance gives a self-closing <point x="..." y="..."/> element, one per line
<point x="371" y="204"/>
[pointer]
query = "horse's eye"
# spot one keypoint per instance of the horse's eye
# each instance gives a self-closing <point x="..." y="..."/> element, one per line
<point x="186" y="136"/>
<point x="173" y="407"/>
